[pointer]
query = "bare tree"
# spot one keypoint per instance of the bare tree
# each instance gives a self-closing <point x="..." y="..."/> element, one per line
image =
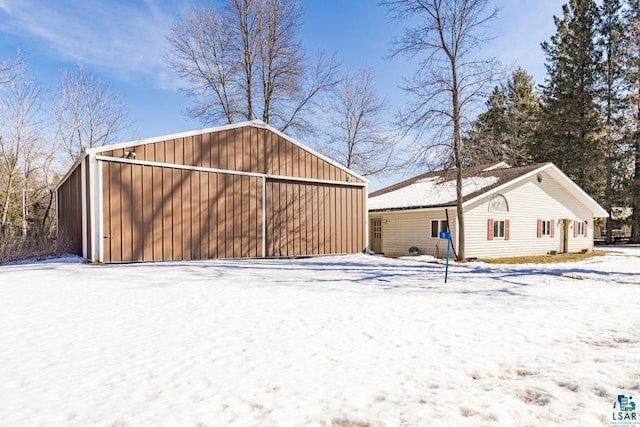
<point x="9" y="69"/>
<point x="20" y="145"/>
<point x="244" y="61"/>
<point x="87" y="112"/>
<point x="449" y="80"/>
<point x="356" y="136"/>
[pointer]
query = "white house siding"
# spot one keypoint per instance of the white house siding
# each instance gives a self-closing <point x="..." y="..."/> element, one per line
<point x="528" y="201"/>
<point x="403" y="229"/>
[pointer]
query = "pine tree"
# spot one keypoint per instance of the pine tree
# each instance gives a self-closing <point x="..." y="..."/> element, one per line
<point x="612" y="30"/>
<point x="523" y="113"/>
<point x="632" y="59"/>
<point x="506" y="130"/>
<point x="570" y="129"/>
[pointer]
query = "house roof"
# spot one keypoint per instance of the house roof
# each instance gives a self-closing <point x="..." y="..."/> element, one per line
<point x="438" y="188"/>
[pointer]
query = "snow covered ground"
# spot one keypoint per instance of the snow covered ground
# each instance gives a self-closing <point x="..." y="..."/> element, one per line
<point x="342" y="341"/>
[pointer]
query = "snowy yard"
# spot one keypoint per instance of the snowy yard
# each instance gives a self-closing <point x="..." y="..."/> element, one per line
<point x="355" y="340"/>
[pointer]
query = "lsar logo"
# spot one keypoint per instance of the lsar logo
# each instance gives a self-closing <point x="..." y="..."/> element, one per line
<point x="624" y="412"/>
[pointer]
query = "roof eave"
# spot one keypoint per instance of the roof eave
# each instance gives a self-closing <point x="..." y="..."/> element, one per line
<point x="412" y="208"/>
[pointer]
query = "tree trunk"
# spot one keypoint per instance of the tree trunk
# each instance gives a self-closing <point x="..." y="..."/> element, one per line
<point x="635" y="196"/>
<point x="457" y="149"/>
<point x="46" y="212"/>
<point x="7" y="198"/>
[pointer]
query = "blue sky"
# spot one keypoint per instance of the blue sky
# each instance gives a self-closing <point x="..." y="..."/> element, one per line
<point x="124" y="41"/>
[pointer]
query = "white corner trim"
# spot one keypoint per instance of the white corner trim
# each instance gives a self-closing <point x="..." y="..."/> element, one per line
<point x="99" y="213"/>
<point x="366" y="218"/>
<point x="264" y="217"/>
<point x="83" y="197"/>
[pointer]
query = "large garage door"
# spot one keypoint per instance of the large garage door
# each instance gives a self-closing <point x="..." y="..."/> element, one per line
<point x="312" y="218"/>
<point x="153" y="213"/>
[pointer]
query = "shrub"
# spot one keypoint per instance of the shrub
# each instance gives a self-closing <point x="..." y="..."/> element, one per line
<point x="36" y="246"/>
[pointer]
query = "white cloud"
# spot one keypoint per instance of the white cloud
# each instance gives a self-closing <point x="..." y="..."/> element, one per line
<point x="125" y="39"/>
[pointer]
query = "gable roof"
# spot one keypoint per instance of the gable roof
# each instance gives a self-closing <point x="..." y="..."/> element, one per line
<point x="253" y="123"/>
<point x="438" y="189"/>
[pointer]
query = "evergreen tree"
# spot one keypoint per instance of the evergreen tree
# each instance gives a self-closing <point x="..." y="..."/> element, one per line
<point x="507" y="129"/>
<point x="486" y="141"/>
<point x="612" y="30"/>
<point x="632" y="58"/>
<point x="523" y="113"/>
<point x="570" y="129"/>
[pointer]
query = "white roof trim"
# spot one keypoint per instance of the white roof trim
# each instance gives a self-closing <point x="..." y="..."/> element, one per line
<point x="564" y="180"/>
<point x="501" y="165"/>
<point x="404" y="210"/>
<point x="253" y="123"/>
<point x="70" y="171"/>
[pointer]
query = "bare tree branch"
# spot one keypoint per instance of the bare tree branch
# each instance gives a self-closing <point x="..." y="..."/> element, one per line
<point x="243" y="60"/>
<point x="444" y="35"/>
<point x="87" y="112"/>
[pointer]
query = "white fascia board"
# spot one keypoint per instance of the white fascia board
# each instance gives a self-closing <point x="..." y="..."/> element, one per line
<point x="405" y="210"/>
<point x="253" y="123"/>
<point x="70" y="171"/>
<point x="313" y="152"/>
<point x="136" y="143"/>
<point x="560" y="177"/>
<point x="507" y="184"/>
<point x="597" y="210"/>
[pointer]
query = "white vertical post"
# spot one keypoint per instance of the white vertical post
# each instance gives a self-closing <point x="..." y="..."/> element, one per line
<point x="366" y="217"/>
<point x="83" y="189"/>
<point x="97" y="222"/>
<point x="264" y="217"/>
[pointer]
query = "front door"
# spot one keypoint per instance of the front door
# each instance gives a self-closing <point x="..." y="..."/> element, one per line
<point x="376" y="235"/>
<point x="564" y="236"/>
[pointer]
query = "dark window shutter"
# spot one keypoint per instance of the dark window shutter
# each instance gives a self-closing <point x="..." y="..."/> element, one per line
<point x="539" y="228"/>
<point x="489" y="229"/>
<point x="552" y="231"/>
<point x="506" y="229"/>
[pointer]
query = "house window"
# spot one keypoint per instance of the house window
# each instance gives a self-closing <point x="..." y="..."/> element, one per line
<point x="546" y="228"/>
<point x="497" y="229"/>
<point x="498" y="203"/>
<point x="438" y="225"/>
<point x="580" y="226"/>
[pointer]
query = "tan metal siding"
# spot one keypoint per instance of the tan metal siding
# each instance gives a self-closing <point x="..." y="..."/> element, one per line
<point x="306" y="219"/>
<point x="246" y="149"/>
<point x="70" y="211"/>
<point x="178" y="218"/>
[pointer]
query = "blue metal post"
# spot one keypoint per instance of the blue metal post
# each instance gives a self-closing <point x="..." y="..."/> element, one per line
<point x="446" y="269"/>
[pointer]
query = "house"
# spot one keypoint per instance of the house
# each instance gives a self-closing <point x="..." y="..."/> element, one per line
<point x="620" y="225"/>
<point x="241" y="190"/>
<point x="508" y="211"/>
